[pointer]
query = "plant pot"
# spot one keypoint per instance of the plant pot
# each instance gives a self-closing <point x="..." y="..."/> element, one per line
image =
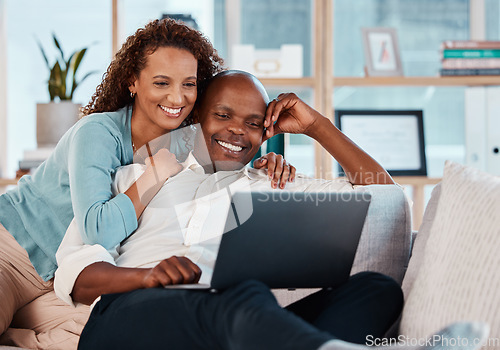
<point x="53" y="120"/>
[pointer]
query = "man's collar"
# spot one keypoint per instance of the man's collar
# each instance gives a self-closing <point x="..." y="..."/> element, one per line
<point x="192" y="163"/>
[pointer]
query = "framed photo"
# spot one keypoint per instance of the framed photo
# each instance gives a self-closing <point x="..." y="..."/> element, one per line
<point x="394" y="138"/>
<point x="381" y="52"/>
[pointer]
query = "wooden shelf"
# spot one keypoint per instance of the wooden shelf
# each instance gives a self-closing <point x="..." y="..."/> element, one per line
<point x="388" y="81"/>
<point x="416" y="180"/>
<point x="307" y="81"/>
<point x="417" y="81"/>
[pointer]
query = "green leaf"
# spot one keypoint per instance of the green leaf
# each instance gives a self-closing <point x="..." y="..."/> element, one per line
<point x="75" y="83"/>
<point x="88" y="75"/>
<point x="69" y="64"/>
<point x="59" y="47"/>
<point x="78" y="59"/>
<point x="56" y="81"/>
<point x="62" y="80"/>
<point x="75" y="63"/>
<point x="71" y="73"/>
<point x="43" y="53"/>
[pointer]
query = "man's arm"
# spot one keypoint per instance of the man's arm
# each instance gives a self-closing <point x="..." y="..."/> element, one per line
<point x="292" y="115"/>
<point x="105" y="278"/>
<point x="87" y="271"/>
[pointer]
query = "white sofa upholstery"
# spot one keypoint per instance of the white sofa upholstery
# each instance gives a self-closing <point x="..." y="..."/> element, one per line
<point x="385" y="242"/>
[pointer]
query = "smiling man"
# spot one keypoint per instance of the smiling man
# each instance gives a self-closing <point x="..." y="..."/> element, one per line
<point x="231" y="113"/>
<point x="133" y="314"/>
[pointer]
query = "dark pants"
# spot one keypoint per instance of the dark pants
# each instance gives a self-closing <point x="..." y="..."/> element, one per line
<point x="246" y="316"/>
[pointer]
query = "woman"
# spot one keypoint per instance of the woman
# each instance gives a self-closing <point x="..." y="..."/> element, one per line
<point x="148" y="90"/>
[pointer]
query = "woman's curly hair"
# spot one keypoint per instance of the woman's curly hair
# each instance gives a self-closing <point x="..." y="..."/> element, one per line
<point x="113" y="92"/>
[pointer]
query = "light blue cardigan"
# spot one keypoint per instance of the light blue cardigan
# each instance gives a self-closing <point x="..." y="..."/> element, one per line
<point x="74" y="181"/>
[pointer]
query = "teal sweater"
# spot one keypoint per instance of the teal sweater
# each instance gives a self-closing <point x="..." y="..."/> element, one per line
<point x="75" y="181"/>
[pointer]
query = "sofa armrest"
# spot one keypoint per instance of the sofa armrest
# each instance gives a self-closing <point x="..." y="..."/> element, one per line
<point x="385" y="241"/>
<point x="386" y="237"/>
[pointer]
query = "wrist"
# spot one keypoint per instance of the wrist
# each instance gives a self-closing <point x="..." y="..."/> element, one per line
<point x="317" y="129"/>
<point x="157" y="173"/>
<point x="140" y="278"/>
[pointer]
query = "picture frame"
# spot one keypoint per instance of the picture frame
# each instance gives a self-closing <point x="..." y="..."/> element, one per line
<point x="381" y="50"/>
<point x="394" y="138"/>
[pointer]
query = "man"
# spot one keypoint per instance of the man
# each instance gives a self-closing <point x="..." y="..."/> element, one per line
<point x="164" y="250"/>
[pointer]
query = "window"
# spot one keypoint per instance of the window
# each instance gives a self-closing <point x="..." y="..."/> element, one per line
<point x="267" y="24"/>
<point x="492" y="19"/>
<point x="76" y="24"/>
<point x="421" y="27"/>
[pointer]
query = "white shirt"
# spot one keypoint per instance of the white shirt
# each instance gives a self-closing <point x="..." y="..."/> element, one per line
<point x="186" y="218"/>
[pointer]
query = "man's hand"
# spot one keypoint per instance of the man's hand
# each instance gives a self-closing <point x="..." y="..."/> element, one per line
<point x="104" y="278"/>
<point x="291" y="114"/>
<point x="174" y="270"/>
<point x="277" y="169"/>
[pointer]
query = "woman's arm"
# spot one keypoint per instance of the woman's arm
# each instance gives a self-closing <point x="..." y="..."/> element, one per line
<point x="292" y="115"/>
<point x="105" y="278"/>
<point x="94" y="154"/>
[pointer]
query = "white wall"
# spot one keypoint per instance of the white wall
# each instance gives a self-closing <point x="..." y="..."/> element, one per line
<point x="3" y="90"/>
<point x="28" y="21"/>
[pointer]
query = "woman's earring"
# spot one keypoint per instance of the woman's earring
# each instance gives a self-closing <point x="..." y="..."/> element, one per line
<point x="132" y="94"/>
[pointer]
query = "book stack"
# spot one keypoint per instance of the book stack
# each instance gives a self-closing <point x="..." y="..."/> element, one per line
<point x="32" y="160"/>
<point x="470" y="57"/>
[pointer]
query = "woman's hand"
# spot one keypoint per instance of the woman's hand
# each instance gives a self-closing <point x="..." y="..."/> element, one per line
<point x="174" y="270"/>
<point x="291" y="114"/>
<point x="165" y="163"/>
<point x="278" y="170"/>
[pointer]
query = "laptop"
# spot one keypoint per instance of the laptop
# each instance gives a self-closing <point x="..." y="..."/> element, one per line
<point x="288" y="240"/>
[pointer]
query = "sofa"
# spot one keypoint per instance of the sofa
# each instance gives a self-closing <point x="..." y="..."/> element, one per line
<point x="453" y="273"/>
<point x="385" y="241"/>
<point x="454" y="270"/>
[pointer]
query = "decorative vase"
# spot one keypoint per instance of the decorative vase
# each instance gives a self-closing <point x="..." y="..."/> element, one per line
<point x="53" y="120"/>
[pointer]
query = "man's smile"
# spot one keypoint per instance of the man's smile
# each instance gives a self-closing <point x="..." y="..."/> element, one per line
<point x="230" y="146"/>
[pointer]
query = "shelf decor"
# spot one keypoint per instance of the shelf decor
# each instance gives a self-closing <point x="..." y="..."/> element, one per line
<point x="470" y="58"/>
<point x="394" y="138"/>
<point x="381" y="52"/>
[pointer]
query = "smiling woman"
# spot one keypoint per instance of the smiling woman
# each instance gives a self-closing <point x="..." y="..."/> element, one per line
<point x="164" y="94"/>
<point x="149" y="89"/>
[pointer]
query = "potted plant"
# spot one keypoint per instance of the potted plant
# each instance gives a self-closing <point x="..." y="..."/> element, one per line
<point x="56" y="117"/>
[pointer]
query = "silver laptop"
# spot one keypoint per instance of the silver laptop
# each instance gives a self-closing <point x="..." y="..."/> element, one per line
<point x="289" y="239"/>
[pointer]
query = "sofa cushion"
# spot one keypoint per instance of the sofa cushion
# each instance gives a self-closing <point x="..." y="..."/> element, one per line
<point x="459" y="276"/>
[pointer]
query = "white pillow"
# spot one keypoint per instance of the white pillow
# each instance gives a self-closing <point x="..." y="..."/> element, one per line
<point x="460" y="274"/>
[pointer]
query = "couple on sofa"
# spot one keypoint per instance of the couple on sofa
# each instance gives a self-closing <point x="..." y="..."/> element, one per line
<point x="132" y="313"/>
